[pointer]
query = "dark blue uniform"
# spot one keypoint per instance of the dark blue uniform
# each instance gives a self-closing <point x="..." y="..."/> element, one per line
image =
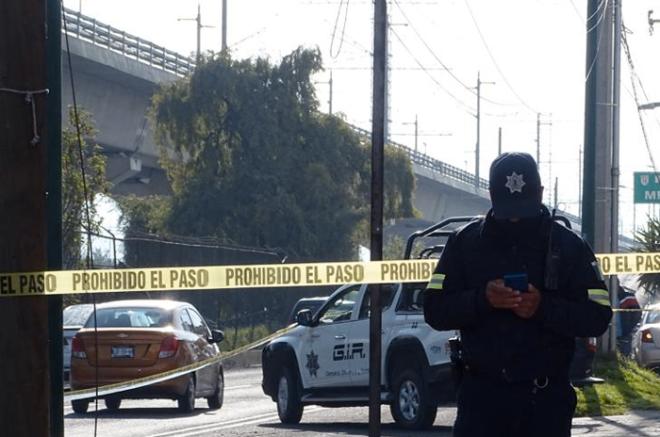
<point x="516" y="378"/>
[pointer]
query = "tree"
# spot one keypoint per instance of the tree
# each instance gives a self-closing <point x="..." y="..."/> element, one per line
<point x="73" y="198"/>
<point x="649" y="241"/>
<point x="253" y="162"/>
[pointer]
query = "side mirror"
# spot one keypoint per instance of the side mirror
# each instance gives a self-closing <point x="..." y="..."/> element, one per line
<point x="304" y="317"/>
<point x="216" y="336"/>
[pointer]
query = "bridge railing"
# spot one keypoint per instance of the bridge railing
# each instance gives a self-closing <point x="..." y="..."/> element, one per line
<point x="103" y="35"/>
<point x="426" y="161"/>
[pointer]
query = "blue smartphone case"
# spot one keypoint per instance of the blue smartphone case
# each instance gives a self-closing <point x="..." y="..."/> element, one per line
<point x="517" y="281"/>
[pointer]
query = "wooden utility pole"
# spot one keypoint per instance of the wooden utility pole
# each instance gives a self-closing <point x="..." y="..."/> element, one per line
<point x="224" y="26"/>
<point x="477" y="150"/>
<point x="25" y="140"/>
<point x="379" y="121"/>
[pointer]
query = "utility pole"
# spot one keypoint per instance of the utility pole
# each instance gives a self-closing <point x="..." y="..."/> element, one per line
<point x="539" y="123"/>
<point x="538" y="139"/>
<point x="379" y="122"/>
<point x="499" y="141"/>
<point x="652" y="22"/>
<point x="27" y="34"/>
<point x="330" y="96"/>
<point x="330" y="85"/>
<point x="598" y="137"/>
<point x="198" y="20"/>
<point x="416" y="132"/>
<point x="614" y="202"/>
<point x="556" y="202"/>
<point x="224" y="27"/>
<point x="580" y="183"/>
<point x="477" y="149"/>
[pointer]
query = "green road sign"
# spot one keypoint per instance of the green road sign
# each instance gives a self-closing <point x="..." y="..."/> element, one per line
<point x="647" y="187"/>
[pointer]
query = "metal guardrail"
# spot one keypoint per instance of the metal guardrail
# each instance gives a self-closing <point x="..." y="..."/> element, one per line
<point x="457" y="174"/>
<point x="103" y="35"/>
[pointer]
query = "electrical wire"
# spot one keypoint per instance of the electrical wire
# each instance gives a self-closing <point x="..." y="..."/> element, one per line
<point x="343" y="31"/>
<point x="430" y="49"/>
<point x="89" y="258"/>
<point x="633" y="75"/>
<point x="465" y="106"/>
<point x="492" y="58"/>
<point x="600" y="38"/>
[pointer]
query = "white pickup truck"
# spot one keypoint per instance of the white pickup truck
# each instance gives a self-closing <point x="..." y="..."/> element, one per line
<point x="325" y="359"/>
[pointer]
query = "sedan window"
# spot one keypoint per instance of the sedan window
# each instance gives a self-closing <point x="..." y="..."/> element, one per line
<point x="198" y="325"/>
<point x="186" y="323"/>
<point x="129" y="318"/>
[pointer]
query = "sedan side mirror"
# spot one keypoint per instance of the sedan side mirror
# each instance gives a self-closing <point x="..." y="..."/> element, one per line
<point x="304" y="317"/>
<point x="216" y="336"/>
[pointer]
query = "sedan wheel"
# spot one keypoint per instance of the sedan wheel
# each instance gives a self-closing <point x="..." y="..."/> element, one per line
<point x="187" y="400"/>
<point x="215" y="401"/>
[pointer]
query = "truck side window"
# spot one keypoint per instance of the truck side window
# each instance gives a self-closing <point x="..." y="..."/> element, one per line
<point x="341" y="307"/>
<point x="387" y="293"/>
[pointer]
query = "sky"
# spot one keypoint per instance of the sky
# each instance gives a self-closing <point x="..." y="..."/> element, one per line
<point x="533" y="52"/>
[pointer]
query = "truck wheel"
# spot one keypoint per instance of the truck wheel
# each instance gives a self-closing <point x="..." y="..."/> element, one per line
<point x="186" y="402"/>
<point x="289" y="407"/>
<point x="215" y="401"/>
<point x="412" y="406"/>
<point x="80" y="406"/>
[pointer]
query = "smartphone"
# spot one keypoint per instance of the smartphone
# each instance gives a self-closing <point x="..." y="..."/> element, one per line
<point x="517" y="281"/>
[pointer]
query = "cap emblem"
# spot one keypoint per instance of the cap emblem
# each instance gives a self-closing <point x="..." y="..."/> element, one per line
<point x="515" y="183"/>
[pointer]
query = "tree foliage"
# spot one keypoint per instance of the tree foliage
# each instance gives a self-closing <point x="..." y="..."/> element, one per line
<point x="73" y="195"/>
<point x="252" y="161"/>
<point x="648" y="239"/>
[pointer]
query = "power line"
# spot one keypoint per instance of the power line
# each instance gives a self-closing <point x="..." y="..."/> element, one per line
<point x="466" y="107"/>
<point x="343" y="31"/>
<point x="428" y="47"/>
<point x="600" y="38"/>
<point x="633" y="75"/>
<point x="492" y="58"/>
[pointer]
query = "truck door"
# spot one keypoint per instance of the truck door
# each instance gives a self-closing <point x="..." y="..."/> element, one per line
<point x="322" y="360"/>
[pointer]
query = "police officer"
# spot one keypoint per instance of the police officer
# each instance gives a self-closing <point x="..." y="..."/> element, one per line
<point x="520" y="288"/>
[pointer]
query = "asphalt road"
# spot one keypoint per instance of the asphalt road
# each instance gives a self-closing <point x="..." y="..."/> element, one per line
<point x="248" y="412"/>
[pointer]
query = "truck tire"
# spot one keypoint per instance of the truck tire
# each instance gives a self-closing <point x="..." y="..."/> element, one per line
<point x="412" y="406"/>
<point x="289" y="407"/>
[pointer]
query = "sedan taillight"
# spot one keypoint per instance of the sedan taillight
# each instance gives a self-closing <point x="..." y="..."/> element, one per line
<point x="647" y="336"/>
<point x="78" y="348"/>
<point x="592" y="344"/>
<point x="168" y="347"/>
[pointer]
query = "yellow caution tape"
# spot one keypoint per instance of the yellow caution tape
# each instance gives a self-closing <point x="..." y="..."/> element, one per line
<point x="260" y="276"/>
<point x="629" y="263"/>
<point x="213" y="277"/>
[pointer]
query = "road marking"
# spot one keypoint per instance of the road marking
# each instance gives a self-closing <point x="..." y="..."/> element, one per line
<point x="237" y="387"/>
<point x="235" y="423"/>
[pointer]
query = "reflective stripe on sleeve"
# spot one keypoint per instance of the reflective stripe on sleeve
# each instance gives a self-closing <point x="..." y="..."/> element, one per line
<point x="600" y="296"/>
<point x="437" y="281"/>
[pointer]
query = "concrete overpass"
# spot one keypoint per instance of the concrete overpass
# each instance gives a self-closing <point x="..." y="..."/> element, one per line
<point x="115" y="76"/>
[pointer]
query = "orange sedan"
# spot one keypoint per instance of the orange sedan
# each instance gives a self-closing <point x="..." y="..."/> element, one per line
<point x="138" y="338"/>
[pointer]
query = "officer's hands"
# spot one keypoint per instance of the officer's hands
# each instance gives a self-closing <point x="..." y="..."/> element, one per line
<point x="502" y="297"/>
<point x="529" y="303"/>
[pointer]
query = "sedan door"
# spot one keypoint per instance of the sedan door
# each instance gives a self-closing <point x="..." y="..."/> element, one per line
<point x="207" y="376"/>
